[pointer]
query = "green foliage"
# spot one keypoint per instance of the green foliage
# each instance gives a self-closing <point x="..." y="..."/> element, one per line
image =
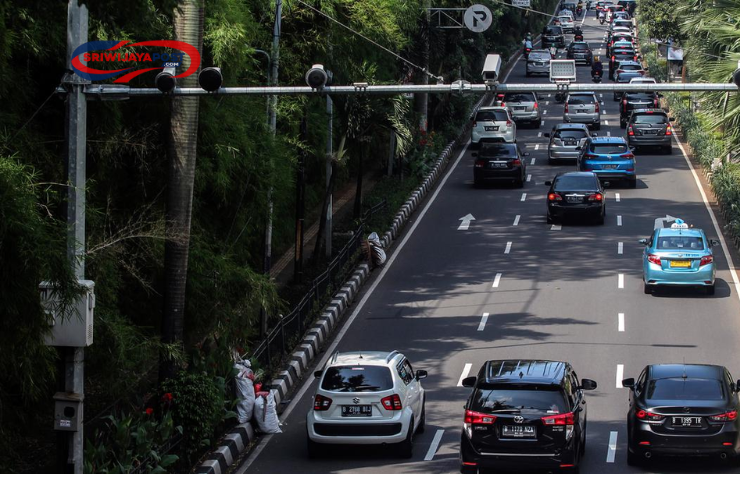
<point x="659" y="20"/>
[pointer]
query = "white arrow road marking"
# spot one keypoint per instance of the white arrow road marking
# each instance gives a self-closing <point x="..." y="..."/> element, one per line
<point x="606" y="122"/>
<point x="619" y="220"/>
<point x="542" y="123"/>
<point x="496" y="280"/>
<point x="516" y="220"/>
<point x="547" y="103"/>
<point x="524" y="197"/>
<point x="620" y="248"/>
<point x="434" y="445"/>
<point x="465" y="224"/>
<point x="620" y="283"/>
<point x="660" y="221"/>
<point x="603" y="112"/>
<point x="617" y="197"/>
<point x="620" y="375"/>
<point x="465" y="372"/>
<point x="508" y="247"/>
<point x="556" y="227"/>
<point x="482" y="324"/>
<point x="612" y="450"/>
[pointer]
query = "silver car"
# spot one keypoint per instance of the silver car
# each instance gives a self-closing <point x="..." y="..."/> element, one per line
<point x="493" y="124"/>
<point x="566" y="141"/>
<point x="582" y="107"/>
<point x="524" y="107"/>
<point x="538" y="63"/>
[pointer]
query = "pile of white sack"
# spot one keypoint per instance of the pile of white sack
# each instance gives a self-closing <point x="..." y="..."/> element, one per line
<point x="254" y="404"/>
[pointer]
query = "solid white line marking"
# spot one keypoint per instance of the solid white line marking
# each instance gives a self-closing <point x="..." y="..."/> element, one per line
<point x="612" y="451"/>
<point x="532" y="162"/>
<point x="556" y="227"/>
<point x="539" y="134"/>
<point x="508" y="247"/>
<point x="620" y="248"/>
<point x="536" y="147"/>
<point x="434" y="445"/>
<point x="483" y="320"/>
<point x="529" y="177"/>
<point x="524" y="197"/>
<point x="516" y="220"/>
<point x="617" y="197"/>
<point x="496" y="280"/>
<point x="721" y="237"/>
<point x="620" y="285"/>
<point x="620" y="375"/>
<point x="619" y="220"/>
<point x="608" y="134"/>
<point x="465" y="372"/>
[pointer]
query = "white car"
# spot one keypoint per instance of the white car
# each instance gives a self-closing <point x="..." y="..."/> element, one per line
<point x="367" y="398"/>
<point x="493" y="124"/>
<point x="566" y="22"/>
<point x="642" y="80"/>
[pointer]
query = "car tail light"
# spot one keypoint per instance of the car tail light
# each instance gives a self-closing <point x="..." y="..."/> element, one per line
<point x="728" y="416"/>
<point x="706" y="260"/>
<point x="643" y="415"/>
<point x="596" y="197"/>
<point x="654" y="259"/>
<point x="479" y="163"/>
<point x="392" y="403"/>
<point x="566" y="107"/>
<point x="668" y="130"/>
<point x="516" y="162"/>
<point x="631" y="131"/>
<point x="558" y="420"/>
<point x="476" y="418"/>
<point x="613" y="58"/>
<point x="629" y="155"/>
<point x="655" y="102"/>
<point x="503" y="104"/>
<point x="554" y="197"/>
<point x="321" y="403"/>
<point x="598" y="108"/>
<point x="536" y="105"/>
<point x="624" y="103"/>
<point x="509" y="123"/>
<point x="630" y="169"/>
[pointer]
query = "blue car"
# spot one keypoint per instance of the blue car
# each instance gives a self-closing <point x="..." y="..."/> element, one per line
<point x="678" y="256"/>
<point x="610" y="158"/>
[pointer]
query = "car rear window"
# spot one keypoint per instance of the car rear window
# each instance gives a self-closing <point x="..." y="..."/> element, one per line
<point x="491" y="116"/>
<point x="519" y="97"/>
<point x="497" y="150"/>
<point x="539" y="55"/>
<point x="570" y="134"/>
<point x="680" y="243"/>
<point x="581" y="99"/>
<point x="630" y="66"/>
<point x="575" y="183"/>
<point x="580" y="46"/>
<point x="357" y="379"/>
<point x="639" y="96"/>
<point x="627" y="76"/>
<point x="609" y="148"/>
<point x="548" y="401"/>
<point x="652" y="119"/>
<point x="678" y="389"/>
<point x="553" y="30"/>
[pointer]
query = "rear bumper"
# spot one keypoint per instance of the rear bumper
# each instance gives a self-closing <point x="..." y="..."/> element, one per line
<point x="614" y="174"/>
<point x="534" y="70"/>
<point x="357" y="431"/>
<point x="525" y="116"/>
<point x="580" y="210"/>
<point x="477" y="136"/>
<point x="562" y="154"/>
<point x="582" y="117"/>
<point x="650" y="141"/>
<point x="673" y="445"/>
<point x="655" y="276"/>
<point x="483" y="174"/>
<point x="551" y="458"/>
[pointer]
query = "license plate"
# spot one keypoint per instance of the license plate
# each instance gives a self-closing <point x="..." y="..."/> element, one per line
<point x="680" y="263"/>
<point x="514" y="431"/>
<point x="518" y="108"/>
<point x="609" y="166"/>
<point x="686" y="421"/>
<point x="581" y="111"/>
<point x="650" y="132"/>
<point x="357" y="410"/>
<point x="574" y="199"/>
<point x="491" y="129"/>
<point x="497" y="165"/>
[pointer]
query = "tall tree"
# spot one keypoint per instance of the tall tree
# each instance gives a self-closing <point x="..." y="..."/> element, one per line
<point x="183" y="144"/>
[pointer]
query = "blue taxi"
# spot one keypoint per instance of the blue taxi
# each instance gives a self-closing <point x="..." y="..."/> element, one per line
<point x="678" y="256"/>
<point x="610" y="158"/>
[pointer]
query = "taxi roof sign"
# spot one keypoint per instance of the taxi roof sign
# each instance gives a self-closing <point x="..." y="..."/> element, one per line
<point x="679" y="224"/>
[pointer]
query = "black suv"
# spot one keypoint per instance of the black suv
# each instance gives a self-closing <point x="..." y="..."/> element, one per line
<point x="650" y="128"/>
<point x="580" y="52"/>
<point x="497" y="161"/>
<point x="524" y="413"/>
<point x="682" y="410"/>
<point x="632" y="101"/>
<point x="553" y="36"/>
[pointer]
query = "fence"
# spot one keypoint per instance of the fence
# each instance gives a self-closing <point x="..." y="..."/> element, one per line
<point x="290" y="328"/>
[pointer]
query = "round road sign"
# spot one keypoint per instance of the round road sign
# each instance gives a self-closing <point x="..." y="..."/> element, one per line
<point x="478" y="18"/>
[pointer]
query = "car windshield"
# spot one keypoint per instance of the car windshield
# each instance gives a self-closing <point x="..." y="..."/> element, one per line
<point x="519" y="97"/>
<point x="507" y="400"/>
<point x="679" y="389"/>
<point x="627" y="76"/>
<point x="357" y="379"/>
<point x="575" y="183"/>
<point x="579" y="46"/>
<point x="570" y="134"/>
<point x="540" y="55"/>
<point x="553" y="30"/>
<point x="616" y="148"/>
<point x="680" y="243"/>
<point x="491" y="116"/>
<point x="660" y="119"/>
<point x="581" y="99"/>
<point x="497" y="150"/>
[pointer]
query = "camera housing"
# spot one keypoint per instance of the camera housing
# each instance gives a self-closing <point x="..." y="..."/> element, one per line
<point x="317" y="77"/>
<point x="491" y="69"/>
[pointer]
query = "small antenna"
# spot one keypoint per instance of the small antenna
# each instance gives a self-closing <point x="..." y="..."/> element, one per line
<point x="684" y="376"/>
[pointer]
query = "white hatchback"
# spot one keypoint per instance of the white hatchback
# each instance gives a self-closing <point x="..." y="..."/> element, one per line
<point x="493" y="124"/>
<point x="367" y="398"/>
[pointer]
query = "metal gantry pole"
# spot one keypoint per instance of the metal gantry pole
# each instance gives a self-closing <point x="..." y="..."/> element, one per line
<point x="76" y="130"/>
<point x="329" y="169"/>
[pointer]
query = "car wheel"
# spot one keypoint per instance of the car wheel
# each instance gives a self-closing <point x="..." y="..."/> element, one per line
<point x="710" y="290"/>
<point x="406" y="447"/>
<point x="647" y="288"/>
<point x="422" y="419"/>
<point x="313" y="448"/>
<point x="476" y="183"/>
<point x="527" y="74"/>
<point x="668" y="149"/>
<point x="538" y="123"/>
<point x="550" y="161"/>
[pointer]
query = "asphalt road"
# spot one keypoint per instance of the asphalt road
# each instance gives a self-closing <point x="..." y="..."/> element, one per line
<point x="558" y="297"/>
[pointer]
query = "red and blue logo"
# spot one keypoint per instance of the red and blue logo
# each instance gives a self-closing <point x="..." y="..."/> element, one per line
<point x="107" y="51"/>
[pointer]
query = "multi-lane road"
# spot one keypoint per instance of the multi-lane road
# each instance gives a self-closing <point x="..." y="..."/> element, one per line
<point x="512" y="286"/>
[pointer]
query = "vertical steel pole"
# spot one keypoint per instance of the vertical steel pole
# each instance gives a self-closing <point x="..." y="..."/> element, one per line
<point x="329" y="160"/>
<point x="77" y="20"/>
<point x="423" y="99"/>
<point x="300" y="209"/>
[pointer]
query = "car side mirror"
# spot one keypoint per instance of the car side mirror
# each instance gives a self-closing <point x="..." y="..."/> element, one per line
<point x="469" y="382"/>
<point x="474" y="154"/>
<point x="643" y="241"/>
<point x="737" y="386"/>
<point x="628" y="383"/>
<point x="421" y="374"/>
<point x="714" y="242"/>
<point x="587" y="384"/>
<point x="548" y="183"/>
<point x="546" y="134"/>
<point x="317" y="374"/>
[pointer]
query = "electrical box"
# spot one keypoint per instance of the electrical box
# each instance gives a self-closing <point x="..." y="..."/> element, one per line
<point x="562" y="71"/>
<point x="67" y="411"/>
<point x="75" y="328"/>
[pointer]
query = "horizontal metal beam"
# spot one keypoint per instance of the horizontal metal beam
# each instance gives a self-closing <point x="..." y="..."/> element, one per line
<point x="121" y="92"/>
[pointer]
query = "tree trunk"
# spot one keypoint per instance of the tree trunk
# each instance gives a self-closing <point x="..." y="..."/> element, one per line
<point x="358" y="191"/>
<point x="183" y="141"/>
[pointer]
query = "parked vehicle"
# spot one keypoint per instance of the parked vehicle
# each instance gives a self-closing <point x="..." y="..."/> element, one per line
<point x="650" y="128"/>
<point x="575" y="194"/>
<point x="497" y="162"/>
<point x="524" y="414"/>
<point x="610" y="159"/>
<point x="493" y="123"/>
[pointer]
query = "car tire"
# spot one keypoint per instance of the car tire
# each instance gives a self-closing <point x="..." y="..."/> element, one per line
<point x="313" y="448"/>
<point x="527" y="74"/>
<point x="647" y="288"/>
<point x="476" y="183"/>
<point x="600" y="219"/>
<point x="422" y="420"/>
<point x="668" y="149"/>
<point x="710" y="290"/>
<point x="406" y="447"/>
<point x="537" y="123"/>
<point x="550" y="161"/>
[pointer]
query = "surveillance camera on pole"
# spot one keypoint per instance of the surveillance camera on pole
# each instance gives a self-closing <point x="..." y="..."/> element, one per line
<point x="210" y="79"/>
<point x="317" y="77"/>
<point x="491" y="69"/>
<point x="165" y="80"/>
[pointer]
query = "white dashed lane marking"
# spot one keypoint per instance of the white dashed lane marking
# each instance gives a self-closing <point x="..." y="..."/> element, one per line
<point x="529" y="177"/>
<point x="496" y="280"/>
<point x="482" y="324"/>
<point x="617" y="195"/>
<point x="434" y="445"/>
<point x="556" y="227"/>
<point x="620" y="285"/>
<point x="619" y="220"/>
<point x="524" y="197"/>
<point x="620" y="248"/>
<point x="532" y="162"/>
<point x="516" y="220"/>
<point x="620" y="320"/>
<point x="620" y="375"/>
<point x="508" y="247"/>
<point x="612" y="450"/>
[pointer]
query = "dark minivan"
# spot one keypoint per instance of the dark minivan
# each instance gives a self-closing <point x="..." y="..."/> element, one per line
<point x="499" y="162"/>
<point x="553" y="36"/>
<point x="682" y="410"/>
<point x="524" y="414"/>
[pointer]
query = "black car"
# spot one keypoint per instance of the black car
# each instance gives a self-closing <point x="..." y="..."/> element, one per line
<point x="682" y="410"/>
<point x="625" y="78"/>
<point x="636" y="100"/>
<point x="650" y="128"/>
<point x="580" y="52"/>
<point x="576" y="194"/>
<point x="496" y="161"/>
<point x="553" y="36"/>
<point x="524" y="414"/>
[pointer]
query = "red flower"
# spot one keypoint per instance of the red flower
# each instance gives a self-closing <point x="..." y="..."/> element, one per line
<point x="149" y="411"/>
<point x="423" y="142"/>
<point x="167" y="397"/>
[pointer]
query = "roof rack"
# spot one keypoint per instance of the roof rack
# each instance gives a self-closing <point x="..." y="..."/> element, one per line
<point x="391" y="355"/>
